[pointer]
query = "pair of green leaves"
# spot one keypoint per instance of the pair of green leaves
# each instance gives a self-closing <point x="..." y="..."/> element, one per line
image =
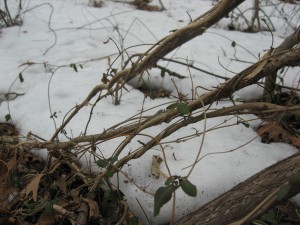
<point x="164" y="194"/>
<point x="74" y="66"/>
<point x="105" y="163"/>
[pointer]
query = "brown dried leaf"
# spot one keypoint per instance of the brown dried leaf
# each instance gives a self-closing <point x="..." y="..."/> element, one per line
<point x="3" y="170"/>
<point x="33" y="186"/>
<point x="155" y="168"/>
<point x="93" y="208"/>
<point x="62" y="183"/>
<point x="275" y="132"/>
<point x="149" y="7"/>
<point x="11" y="163"/>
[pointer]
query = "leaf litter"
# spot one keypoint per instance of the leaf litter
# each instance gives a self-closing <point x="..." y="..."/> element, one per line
<point x="34" y="191"/>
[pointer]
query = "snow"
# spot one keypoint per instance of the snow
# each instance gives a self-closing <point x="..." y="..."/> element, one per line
<point x="62" y="32"/>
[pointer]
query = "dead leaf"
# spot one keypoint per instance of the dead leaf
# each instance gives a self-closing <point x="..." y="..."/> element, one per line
<point x="33" y="186"/>
<point x="149" y="7"/>
<point x="275" y="132"/>
<point x="62" y="182"/>
<point x="3" y="170"/>
<point x="11" y="163"/>
<point x="8" y="129"/>
<point x="155" y="168"/>
<point x="93" y="208"/>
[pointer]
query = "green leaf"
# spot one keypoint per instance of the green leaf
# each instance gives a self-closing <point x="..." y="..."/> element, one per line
<point x="162" y="196"/>
<point x="74" y="67"/>
<point x="160" y="112"/>
<point x="48" y="206"/>
<point x="281" y="71"/>
<point x="21" y="78"/>
<point x="113" y="159"/>
<point x="29" y="206"/>
<point x="110" y="172"/>
<point x="182" y="108"/>
<point x="188" y="187"/>
<point x="81" y="66"/>
<point x="172" y="106"/>
<point x="114" y="70"/>
<point x="246" y="124"/>
<point x="7" y="117"/>
<point x="134" y="221"/>
<point x="169" y="181"/>
<point x="295" y="178"/>
<point x="270" y="216"/>
<point x="233" y="44"/>
<point x="283" y="192"/>
<point x="102" y="163"/>
<point x="108" y="194"/>
<point x="163" y="73"/>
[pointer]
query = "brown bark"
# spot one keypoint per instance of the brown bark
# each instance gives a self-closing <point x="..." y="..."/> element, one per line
<point x="288" y="43"/>
<point x="240" y="200"/>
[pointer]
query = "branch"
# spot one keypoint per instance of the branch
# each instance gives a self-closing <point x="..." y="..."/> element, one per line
<point x="159" y="50"/>
<point x="287" y="44"/>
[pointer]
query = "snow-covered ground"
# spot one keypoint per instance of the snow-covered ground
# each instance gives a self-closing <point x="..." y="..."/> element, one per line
<point x="58" y="33"/>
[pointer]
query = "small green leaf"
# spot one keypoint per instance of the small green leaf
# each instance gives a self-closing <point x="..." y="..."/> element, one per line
<point x="246" y="124"/>
<point x="114" y="70"/>
<point x="162" y="196"/>
<point x="270" y="216"/>
<point x="188" y="187"/>
<point x="74" y="67"/>
<point x="163" y="73"/>
<point x="283" y="192"/>
<point x="134" y="221"/>
<point x="113" y="159"/>
<point x="172" y="106"/>
<point x="21" y="78"/>
<point x="281" y="71"/>
<point x="29" y="206"/>
<point x="169" y="181"/>
<point x="160" y="112"/>
<point x="182" y="108"/>
<point x="295" y="178"/>
<point x="49" y="206"/>
<point x="102" y="163"/>
<point x="233" y="44"/>
<point x="81" y="66"/>
<point x="7" y="117"/>
<point x="110" y="173"/>
<point x="107" y="194"/>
